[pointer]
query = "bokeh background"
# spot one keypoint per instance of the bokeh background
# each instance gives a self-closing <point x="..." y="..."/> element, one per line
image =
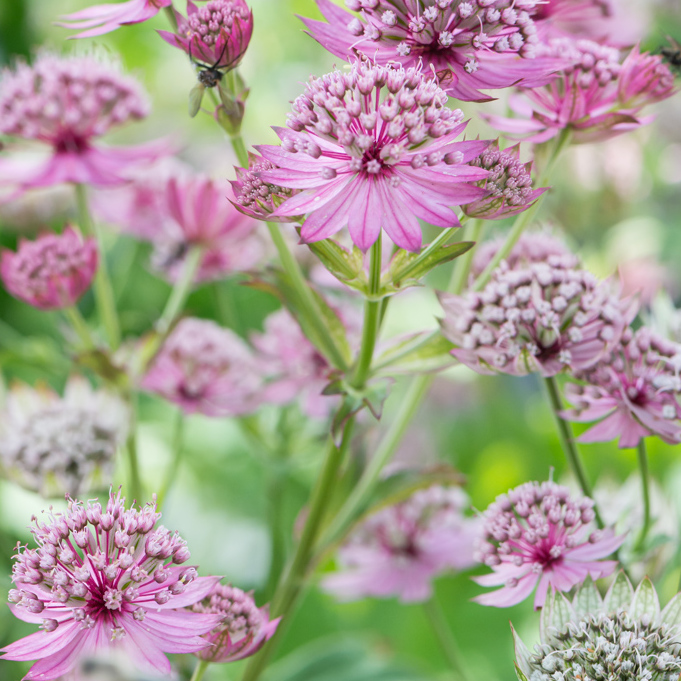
<point x="619" y="204"/>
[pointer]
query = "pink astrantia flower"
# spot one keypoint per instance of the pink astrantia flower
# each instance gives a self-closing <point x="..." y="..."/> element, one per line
<point x="106" y="580"/>
<point x="67" y="103"/>
<point x="537" y="536"/>
<point x="509" y="185"/>
<point x="243" y="629"/>
<point x="472" y="45"/>
<point x="536" y="316"/>
<point x="205" y="369"/>
<point x="634" y="392"/>
<point x="399" y="550"/>
<point x="596" y="98"/>
<point x="101" y="19"/>
<point x="51" y="272"/>
<point x="217" y="34"/>
<point x="201" y="216"/>
<point x="374" y="147"/>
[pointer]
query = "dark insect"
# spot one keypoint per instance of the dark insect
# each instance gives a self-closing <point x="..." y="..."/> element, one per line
<point x="171" y="255"/>
<point x="209" y="76"/>
<point x="672" y="54"/>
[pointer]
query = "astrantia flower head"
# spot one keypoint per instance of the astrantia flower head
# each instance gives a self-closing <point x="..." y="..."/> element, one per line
<point x="509" y="184"/>
<point x="67" y="103"/>
<point x="472" y="45"/>
<point x="374" y="147"/>
<point x="243" y="628"/>
<point x="596" y="98"/>
<point x="256" y="198"/>
<point x="217" y="34"/>
<point x="106" y="579"/>
<point x="634" y="392"/>
<point x="623" y="636"/>
<point x="201" y="216"/>
<point x="537" y="536"/>
<point x="51" y="272"/>
<point x="537" y="316"/>
<point x="399" y="550"/>
<point x="206" y="369"/>
<point x="55" y="445"/>
<point x="101" y="19"/>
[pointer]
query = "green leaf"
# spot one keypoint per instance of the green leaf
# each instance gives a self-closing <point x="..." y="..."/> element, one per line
<point x="645" y="601"/>
<point x="620" y="594"/>
<point x="555" y="614"/>
<point x="347" y="266"/>
<point x="195" y="99"/>
<point x="587" y="599"/>
<point x="406" y="269"/>
<point x="522" y="656"/>
<point x="671" y="615"/>
<point x="421" y="353"/>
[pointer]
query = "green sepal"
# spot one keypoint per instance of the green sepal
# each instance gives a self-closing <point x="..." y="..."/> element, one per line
<point x="619" y="595"/>
<point x="555" y="614"/>
<point x="195" y="99"/>
<point x="671" y="615"/>
<point x="587" y="599"/>
<point x="645" y="601"/>
<point x="421" y="353"/>
<point x="519" y="673"/>
<point x="522" y="657"/>
<point x="407" y="269"/>
<point x="346" y="265"/>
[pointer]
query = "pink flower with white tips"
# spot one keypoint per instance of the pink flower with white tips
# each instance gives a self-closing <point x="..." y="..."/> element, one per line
<point x="374" y="147"/>
<point x="105" y="580"/>
<point x="399" y="550"/>
<point x="471" y="45"/>
<point x="67" y="103"/>
<point x="53" y="271"/>
<point x="538" y="536"/>
<point x="243" y="630"/>
<point x="100" y="19"/>
<point x="633" y="392"/>
<point x="596" y="98"/>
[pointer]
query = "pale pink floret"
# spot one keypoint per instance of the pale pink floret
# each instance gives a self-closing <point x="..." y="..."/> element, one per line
<point x="399" y="550"/>
<point x="53" y="271"/>
<point x="633" y="392"/>
<point x="199" y="215"/>
<point x="217" y="34"/>
<point x="374" y="148"/>
<point x="243" y="629"/>
<point x="547" y="316"/>
<point x="205" y="369"/>
<point x="100" y="19"/>
<point x="471" y="45"/>
<point x="106" y="580"/>
<point x="596" y="98"/>
<point x="67" y="103"/>
<point x="537" y="536"/>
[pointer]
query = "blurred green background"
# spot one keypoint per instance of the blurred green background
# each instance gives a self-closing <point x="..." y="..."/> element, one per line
<point x="617" y="202"/>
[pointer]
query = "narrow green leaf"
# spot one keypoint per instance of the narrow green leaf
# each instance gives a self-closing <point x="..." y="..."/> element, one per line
<point x="347" y="266"/>
<point x="412" y="268"/>
<point x="418" y="354"/>
<point x="620" y="594"/>
<point x="587" y="599"/>
<point x="645" y="601"/>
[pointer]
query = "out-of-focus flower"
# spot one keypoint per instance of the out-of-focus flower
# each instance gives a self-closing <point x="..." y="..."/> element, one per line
<point x="537" y="536"/>
<point x="67" y="103"/>
<point x="243" y="627"/>
<point x="51" y="272"/>
<point x="256" y="198"/>
<point x="596" y="98"/>
<point x="201" y="216"/>
<point x="535" y="316"/>
<point x="643" y="277"/>
<point x="509" y="184"/>
<point x="374" y="147"/>
<point x="100" y="19"/>
<point x="217" y="34"/>
<point x="472" y="45"/>
<point x="399" y="550"/>
<point x="55" y="445"/>
<point x="633" y="391"/>
<point x="106" y="579"/>
<point x="204" y="368"/>
<point x="624" y="636"/>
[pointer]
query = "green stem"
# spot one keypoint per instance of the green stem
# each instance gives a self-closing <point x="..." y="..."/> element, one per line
<point x="135" y="482"/>
<point x="372" y="308"/>
<point x="106" y="302"/>
<point x="526" y="217"/>
<point x="180" y="292"/>
<point x="200" y="670"/>
<point x="170" y="13"/>
<point x="177" y="450"/>
<point x="462" y="265"/>
<point x="80" y="326"/>
<point x="444" y="636"/>
<point x="239" y="148"/>
<point x="307" y="300"/>
<point x="226" y="305"/>
<point x="645" y="488"/>
<point x="567" y="440"/>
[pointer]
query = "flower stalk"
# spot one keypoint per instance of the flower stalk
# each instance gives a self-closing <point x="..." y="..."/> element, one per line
<point x="199" y="670"/>
<point x="645" y="491"/>
<point x="80" y="326"/>
<point x="444" y="636"/>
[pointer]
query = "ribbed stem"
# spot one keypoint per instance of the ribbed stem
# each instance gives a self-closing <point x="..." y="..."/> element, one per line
<point x="200" y="670"/>
<point x="136" y="488"/>
<point x="181" y="290"/>
<point x="462" y="265"/>
<point x="645" y="491"/>
<point x="177" y="448"/>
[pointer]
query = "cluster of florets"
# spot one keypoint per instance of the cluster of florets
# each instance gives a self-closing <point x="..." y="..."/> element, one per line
<point x="67" y="100"/>
<point x="214" y="17"/>
<point x="538" y="535"/>
<point x="51" y="272"/>
<point x="540" y="316"/>
<point x="63" y="445"/>
<point x="243" y="629"/>
<point x="636" y="387"/>
<point x="509" y="184"/>
<point x="398" y="551"/>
